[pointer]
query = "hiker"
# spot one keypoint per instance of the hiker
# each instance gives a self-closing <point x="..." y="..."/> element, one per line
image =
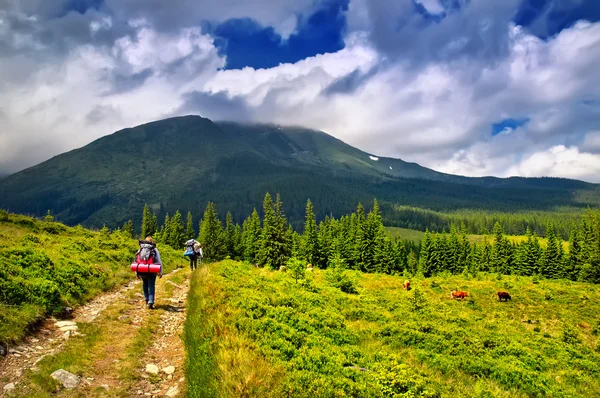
<point x="148" y="278"/>
<point x="193" y="250"/>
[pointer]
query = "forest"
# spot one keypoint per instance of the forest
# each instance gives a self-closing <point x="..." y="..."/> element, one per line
<point x="359" y="242"/>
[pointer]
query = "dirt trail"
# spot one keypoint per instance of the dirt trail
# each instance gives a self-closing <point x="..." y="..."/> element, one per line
<point x="116" y="355"/>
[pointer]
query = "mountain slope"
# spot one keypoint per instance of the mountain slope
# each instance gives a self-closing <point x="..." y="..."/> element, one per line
<point x="183" y="162"/>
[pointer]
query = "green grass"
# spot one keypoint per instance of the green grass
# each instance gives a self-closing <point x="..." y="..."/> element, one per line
<point x="47" y="266"/>
<point x="405" y="234"/>
<point x="249" y="326"/>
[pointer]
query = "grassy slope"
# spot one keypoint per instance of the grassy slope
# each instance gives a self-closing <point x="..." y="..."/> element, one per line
<point x="258" y="333"/>
<point x="47" y="266"/>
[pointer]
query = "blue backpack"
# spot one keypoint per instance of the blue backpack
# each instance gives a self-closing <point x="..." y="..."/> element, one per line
<point x="189" y="248"/>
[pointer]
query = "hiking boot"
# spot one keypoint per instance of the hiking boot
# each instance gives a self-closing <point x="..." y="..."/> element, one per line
<point x="150" y="306"/>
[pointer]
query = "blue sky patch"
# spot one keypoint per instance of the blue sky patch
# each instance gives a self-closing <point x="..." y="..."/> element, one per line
<point x="81" y="6"/>
<point x="507" y="124"/>
<point x="555" y="16"/>
<point x="246" y="43"/>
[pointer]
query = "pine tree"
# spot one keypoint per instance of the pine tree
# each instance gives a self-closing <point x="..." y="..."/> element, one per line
<point x="528" y="256"/>
<point x="238" y="242"/>
<point x="128" y="229"/>
<point x="229" y="236"/>
<point x="426" y="255"/>
<point x="176" y="235"/>
<point x="272" y="239"/>
<point x="486" y="256"/>
<point x="189" y="229"/>
<point x="455" y="252"/>
<point x="251" y="235"/>
<point x="164" y="234"/>
<point x="146" y="222"/>
<point x="153" y="225"/>
<point x="551" y="263"/>
<point x="211" y="234"/>
<point x="310" y="240"/>
<point x="574" y="260"/>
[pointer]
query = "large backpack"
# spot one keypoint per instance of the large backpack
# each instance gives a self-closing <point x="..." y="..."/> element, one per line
<point x="189" y="248"/>
<point x="146" y="254"/>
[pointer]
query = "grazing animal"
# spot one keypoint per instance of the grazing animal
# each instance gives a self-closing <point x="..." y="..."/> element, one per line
<point x="309" y="267"/>
<point x="283" y="268"/>
<point x="407" y="285"/>
<point x="457" y="294"/>
<point x="504" y="296"/>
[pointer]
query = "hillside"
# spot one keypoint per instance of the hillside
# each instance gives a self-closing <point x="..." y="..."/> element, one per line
<point x="46" y="266"/>
<point x="182" y="163"/>
<point x="269" y="335"/>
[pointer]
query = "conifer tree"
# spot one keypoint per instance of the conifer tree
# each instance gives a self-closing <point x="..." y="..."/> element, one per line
<point x="310" y="240"/>
<point x="165" y="231"/>
<point x="229" y="236"/>
<point x="574" y="260"/>
<point x="238" y="242"/>
<point x="455" y="264"/>
<point x="486" y="256"/>
<point x="251" y="235"/>
<point x="153" y="225"/>
<point x="128" y="229"/>
<point x="528" y="255"/>
<point x="551" y="263"/>
<point x="273" y="238"/>
<point x="426" y="255"/>
<point x="146" y="222"/>
<point x="189" y="229"/>
<point x="211" y="234"/>
<point x="175" y="237"/>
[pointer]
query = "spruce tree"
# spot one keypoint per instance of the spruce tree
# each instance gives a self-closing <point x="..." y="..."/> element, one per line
<point x="238" y="242"/>
<point x="176" y="233"/>
<point x="551" y="263"/>
<point x="574" y="260"/>
<point x="165" y="231"/>
<point x="269" y="254"/>
<point x="426" y="255"/>
<point x="146" y="222"/>
<point x="153" y="226"/>
<point x="229" y="236"/>
<point x="189" y="229"/>
<point x="310" y="240"/>
<point x="128" y="229"/>
<point x="211" y="234"/>
<point x="251" y="235"/>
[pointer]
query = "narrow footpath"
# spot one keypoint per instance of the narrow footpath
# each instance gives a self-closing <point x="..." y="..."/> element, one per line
<point x="114" y="346"/>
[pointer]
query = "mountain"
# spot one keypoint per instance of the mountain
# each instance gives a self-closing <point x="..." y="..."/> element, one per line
<point x="181" y="163"/>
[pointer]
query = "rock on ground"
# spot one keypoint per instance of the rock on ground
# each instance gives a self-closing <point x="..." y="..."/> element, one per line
<point x="67" y="379"/>
<point x="152" y="369"/>
<point x="9" y="387"/>
<point x="172" y="392"/>
<point x="169" y="370"/>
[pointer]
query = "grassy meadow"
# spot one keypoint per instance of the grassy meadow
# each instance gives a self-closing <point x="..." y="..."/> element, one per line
<point x="253" y="332"/>
<point x="417" y="236"/>
<point x="46" y="266"/>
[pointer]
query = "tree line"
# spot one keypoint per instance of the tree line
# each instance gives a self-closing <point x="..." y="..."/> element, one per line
<point x="359" y="241"/>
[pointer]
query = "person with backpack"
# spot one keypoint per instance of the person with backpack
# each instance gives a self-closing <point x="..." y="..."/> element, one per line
<point x="193" y="250"/>
<point x="148" y="254"/>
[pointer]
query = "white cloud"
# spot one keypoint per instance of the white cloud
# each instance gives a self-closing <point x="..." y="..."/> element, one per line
<point x="433" y="7"/>
<point x="560" y="161"/>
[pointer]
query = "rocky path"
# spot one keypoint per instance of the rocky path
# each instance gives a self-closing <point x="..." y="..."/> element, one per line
<point x="107" y="346"/>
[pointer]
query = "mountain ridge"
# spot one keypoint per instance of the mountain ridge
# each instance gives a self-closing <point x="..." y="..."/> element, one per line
<point x="183" y="162"/>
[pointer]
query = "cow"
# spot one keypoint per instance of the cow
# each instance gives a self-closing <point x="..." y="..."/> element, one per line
<point x="503" y="296"/>
<point x="309" y="267"/>
<point x="457" y="294"/>
<point x="407" y="285"/>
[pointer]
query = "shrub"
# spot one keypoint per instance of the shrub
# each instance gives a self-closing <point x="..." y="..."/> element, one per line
<point x="418" y="302"/>
<point x="297" y="268"/>
<point x="570" y="335"/>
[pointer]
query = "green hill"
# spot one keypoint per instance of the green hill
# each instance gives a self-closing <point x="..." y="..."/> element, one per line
<point x="259" y="333"/>
<point x="182" y="163"/>
<point x="46" y="266"/>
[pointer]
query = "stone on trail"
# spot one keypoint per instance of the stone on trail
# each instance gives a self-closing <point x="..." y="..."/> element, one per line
<point x="9" y="387"/>
<point x="169" y="370"/>
<point x="173" y="392"/>
<point x="67" y="379"/>
<point x="61" y="324"/>
<point x="69" y="328"/>
<point x="152" y="369"/>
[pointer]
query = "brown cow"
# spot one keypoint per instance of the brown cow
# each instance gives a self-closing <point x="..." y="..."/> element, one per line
<point x="457" y="294"/>
<point x="407" y="285"/>
<point x="503" y="296"/>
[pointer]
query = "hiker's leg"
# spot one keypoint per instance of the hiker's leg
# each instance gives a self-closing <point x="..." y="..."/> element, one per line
<point x="195" y="262"/>
<point x="192" y="263"/>
<point x="145" y="286"/>
<point x="151" y="286"/>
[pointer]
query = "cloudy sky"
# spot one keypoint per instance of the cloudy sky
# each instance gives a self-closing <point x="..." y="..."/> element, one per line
<point x="473" y="87"/>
